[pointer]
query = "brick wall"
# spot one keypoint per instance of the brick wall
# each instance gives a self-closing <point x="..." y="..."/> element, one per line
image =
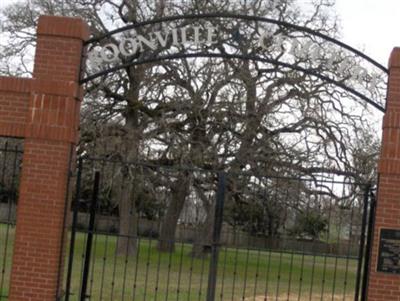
<point x="14" y="102"/>
<point x="45" y="111"/>
<point x="386" y="287"/>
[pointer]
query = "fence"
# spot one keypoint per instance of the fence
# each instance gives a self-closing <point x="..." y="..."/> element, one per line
<point x="10" y="160"/>
<point x="157" y="233"/>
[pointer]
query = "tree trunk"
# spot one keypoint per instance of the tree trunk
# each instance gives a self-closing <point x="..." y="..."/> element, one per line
<point x="203" y="240"/>
<point x="180" y="190"/>
<point x="126" y="245"/>
<point x="129" y="188"/>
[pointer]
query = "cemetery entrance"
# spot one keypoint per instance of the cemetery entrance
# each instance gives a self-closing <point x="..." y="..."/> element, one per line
<point x="145" y="230"/>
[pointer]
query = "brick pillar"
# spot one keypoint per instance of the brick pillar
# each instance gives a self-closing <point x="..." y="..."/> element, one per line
<point x="386" y="286"/>
<point x="50" y="135"/>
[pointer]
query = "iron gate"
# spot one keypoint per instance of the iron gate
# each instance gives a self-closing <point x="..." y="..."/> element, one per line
<point x="10" y="160"/>
<point x="147" y="232"/>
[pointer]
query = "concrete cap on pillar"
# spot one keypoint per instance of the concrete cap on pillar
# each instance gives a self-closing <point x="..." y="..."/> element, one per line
<point x="63" y="27"/>
<point x="394" y="61"/>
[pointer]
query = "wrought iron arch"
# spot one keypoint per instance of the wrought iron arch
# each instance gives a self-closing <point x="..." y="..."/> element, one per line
<point x="241" y="17"/>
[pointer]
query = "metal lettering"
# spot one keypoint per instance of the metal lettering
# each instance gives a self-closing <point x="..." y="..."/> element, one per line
<point x="109" y="53"/>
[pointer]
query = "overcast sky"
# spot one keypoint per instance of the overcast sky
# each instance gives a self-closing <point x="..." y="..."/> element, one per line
<point x="372" y="26"/>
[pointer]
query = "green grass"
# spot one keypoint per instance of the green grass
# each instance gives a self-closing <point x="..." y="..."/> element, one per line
<point x="242" y="274"/>
<point x="6" y="248"/>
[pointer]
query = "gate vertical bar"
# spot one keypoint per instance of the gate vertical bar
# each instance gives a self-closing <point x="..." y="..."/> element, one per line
<point x="219" y="211"/>
<point x="90" y="236"/>
<point x="362" y="241"/>
<point x="60" y="293"/>
<point x="368" y="247"/>
<point x="73" y="229"/>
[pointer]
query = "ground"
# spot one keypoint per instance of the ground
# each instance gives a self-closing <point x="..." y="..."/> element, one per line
<point x="242" y="274"/>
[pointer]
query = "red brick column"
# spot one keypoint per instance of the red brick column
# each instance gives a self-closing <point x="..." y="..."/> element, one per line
<point x="14" y="101"/>
<point x="51" y="132"/>
<point x="386" y="287"/>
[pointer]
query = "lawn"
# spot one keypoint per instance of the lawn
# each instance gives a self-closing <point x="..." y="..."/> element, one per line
<point x="242" y="274"/>
<point x="6" y="247"/>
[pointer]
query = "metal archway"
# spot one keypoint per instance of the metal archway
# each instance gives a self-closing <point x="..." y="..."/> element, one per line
<point x="340" y="84"/>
